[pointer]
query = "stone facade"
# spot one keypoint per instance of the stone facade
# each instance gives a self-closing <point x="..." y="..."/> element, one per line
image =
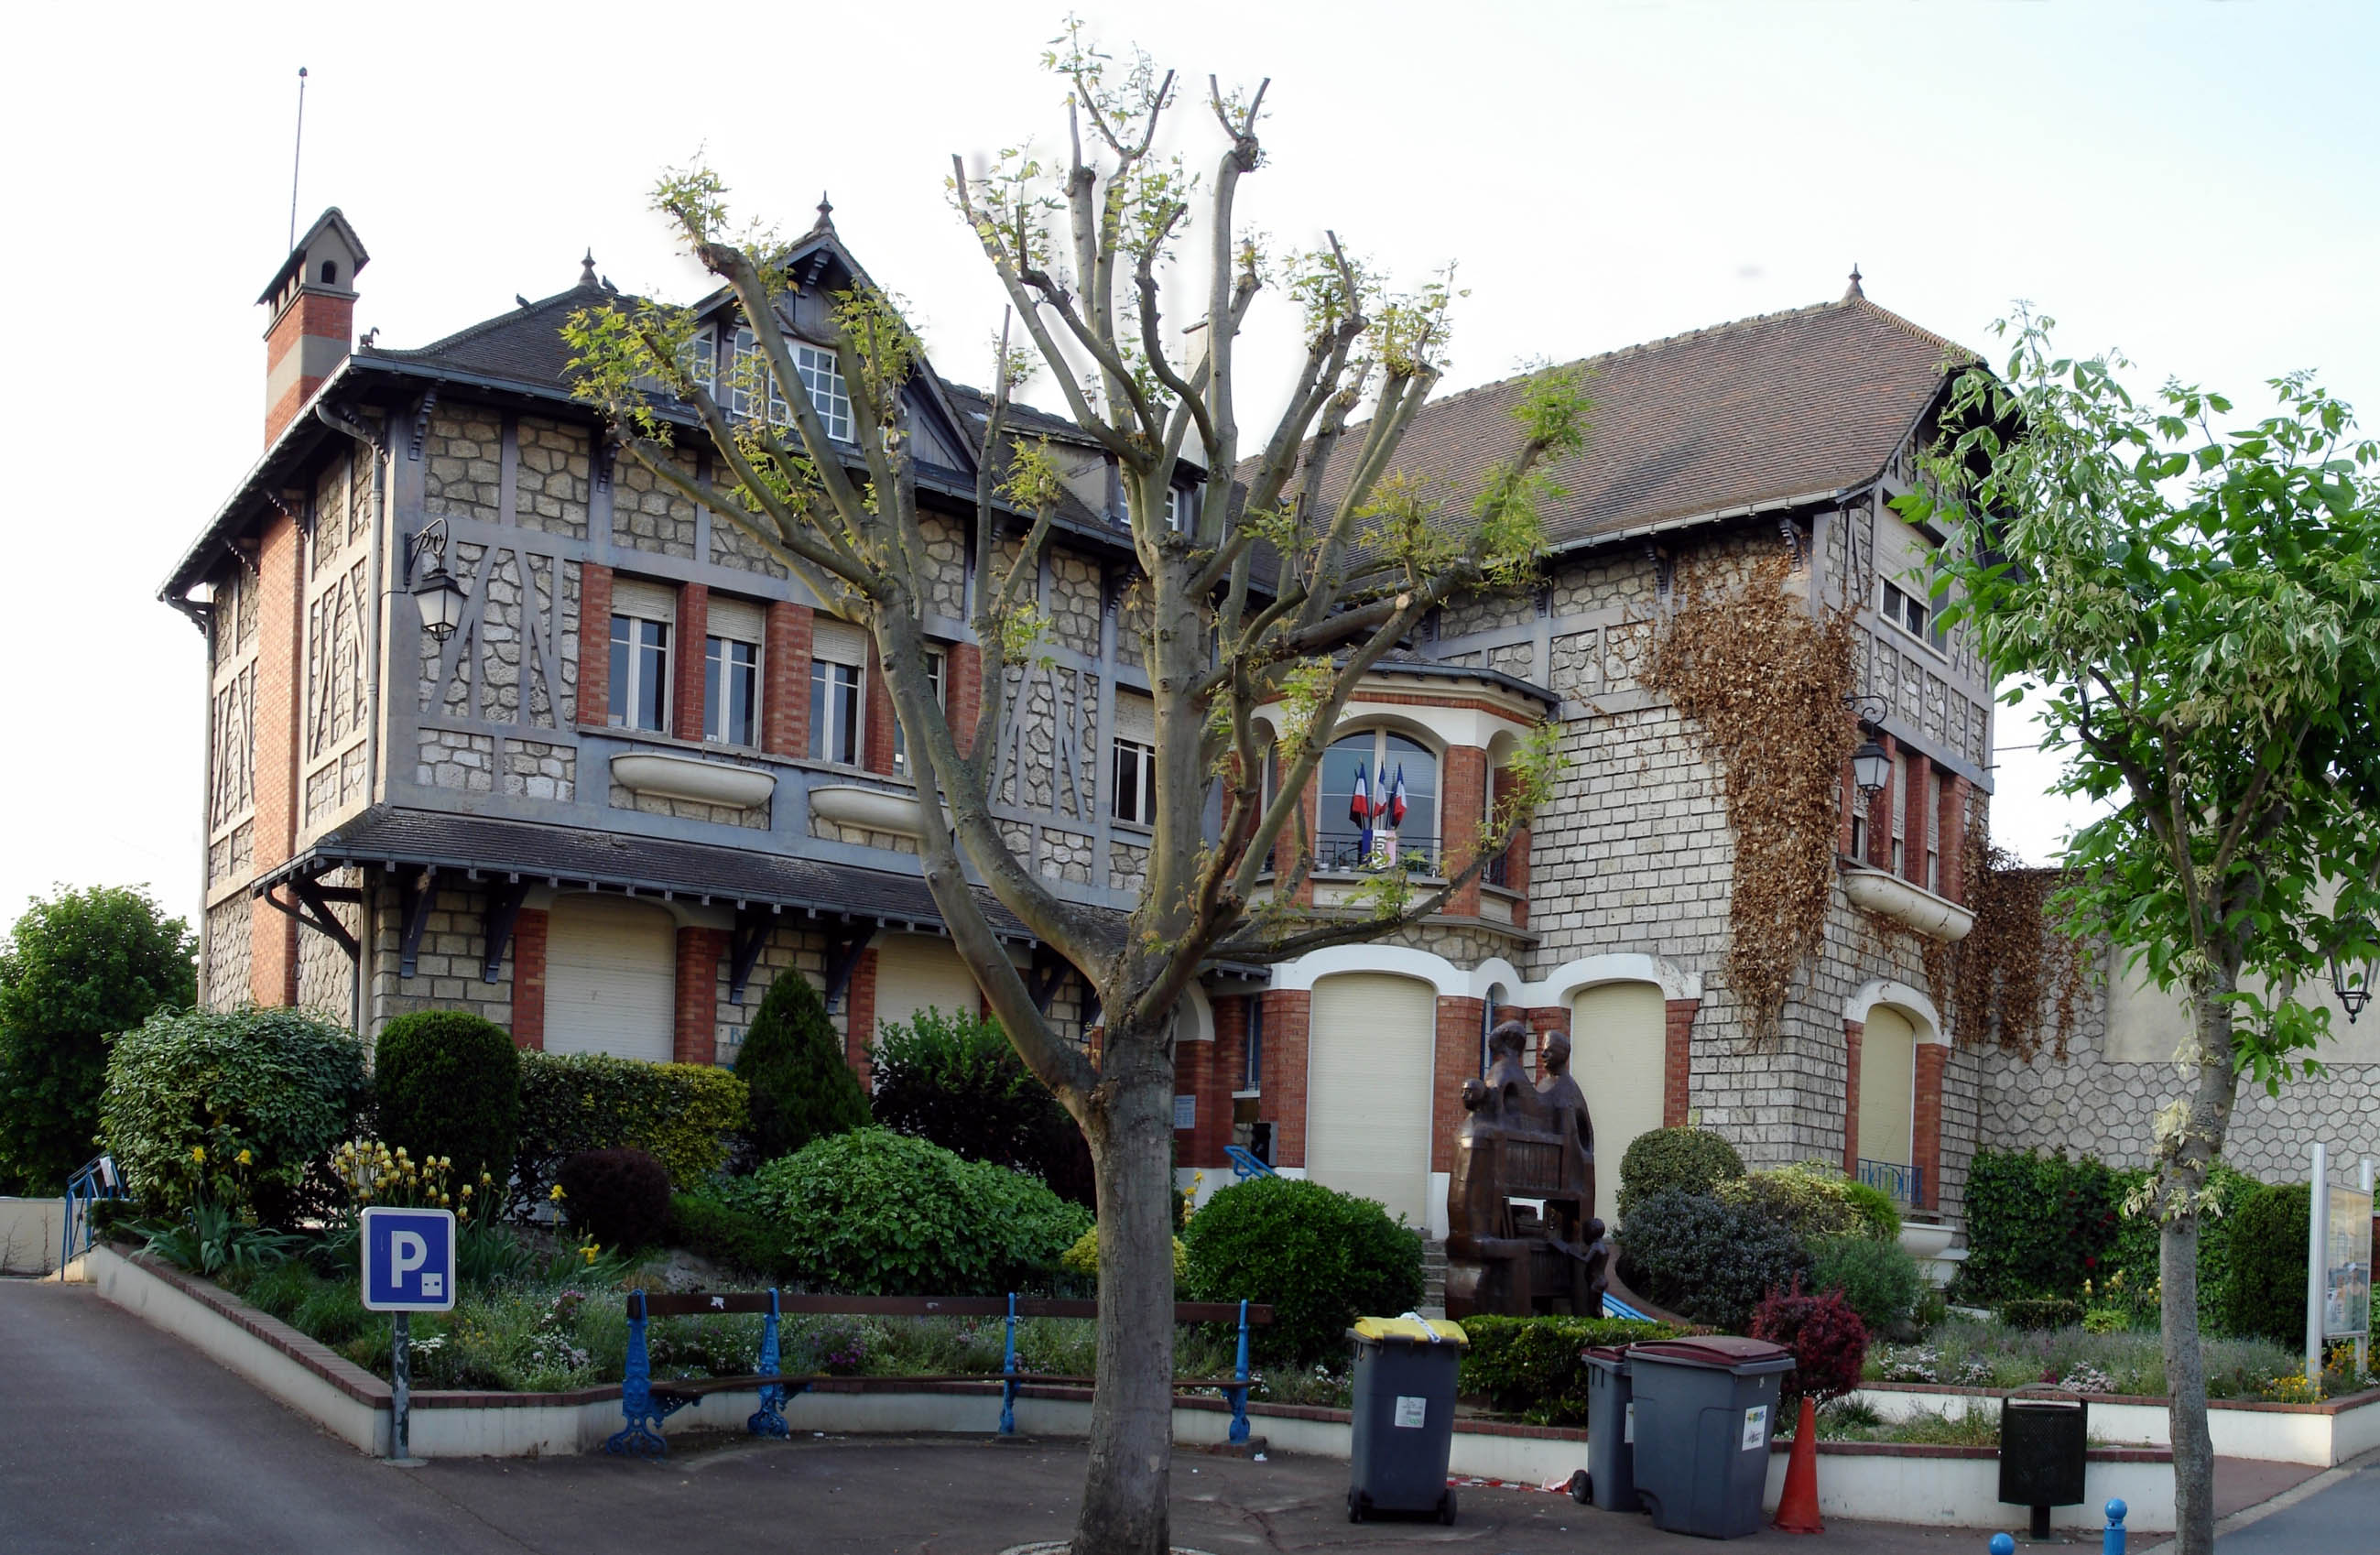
<point x="448" y="963"/>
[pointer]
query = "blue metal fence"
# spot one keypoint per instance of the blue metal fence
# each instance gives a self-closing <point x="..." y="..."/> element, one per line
<point x="1904" y="1182"/>
<point x="97" y="1180"/>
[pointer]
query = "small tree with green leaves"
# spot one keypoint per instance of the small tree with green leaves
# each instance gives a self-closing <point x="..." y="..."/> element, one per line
<point x="1310" y="555"/>
<point x="791" y="1063"/>
<point x="2197" y="604"/>
<point x="77" y="969"/>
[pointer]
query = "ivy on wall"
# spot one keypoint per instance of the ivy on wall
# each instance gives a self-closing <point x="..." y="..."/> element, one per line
<point x="2019" y="976"/>
<point x="1763" y="678"/>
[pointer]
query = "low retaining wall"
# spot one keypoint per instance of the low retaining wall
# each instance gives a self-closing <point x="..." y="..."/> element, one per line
<point x="30" y="1229"/>
<point x="1959" y="1487"/>
<point x="2321" y="1434"/>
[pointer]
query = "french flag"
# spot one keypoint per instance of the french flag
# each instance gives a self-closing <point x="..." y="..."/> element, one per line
<point x="1397" y="798"/>
<point x="1360" y="810"/>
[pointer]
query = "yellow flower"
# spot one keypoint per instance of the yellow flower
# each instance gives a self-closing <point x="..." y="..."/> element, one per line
<point x="246" y="1159"/>
<point x="556" y="1194"/>
<point x="198" y="1154"/>
<point x="467" y="1190"/>
<point x="590" y="1250"/>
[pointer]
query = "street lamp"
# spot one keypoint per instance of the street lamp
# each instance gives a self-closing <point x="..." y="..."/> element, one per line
<point x="2353" y="984"/>
<point x="1871" y="768"/>
<point x="435" y="593"/>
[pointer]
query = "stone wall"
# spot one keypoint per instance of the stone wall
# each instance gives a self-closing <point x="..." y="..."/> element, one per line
<point x="551" y="478"/>
<point x="325" y="973"/>
<point x="463" y="462"/>
<point x="754" y="819"/>
<point x="446" y="970"/>
<point x="788" y="949"/>
<point x="647" y="515"/>
<point x="231" y="947"/>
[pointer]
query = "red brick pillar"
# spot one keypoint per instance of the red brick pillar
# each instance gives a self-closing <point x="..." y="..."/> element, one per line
<point x="699" y="951"/>
<point x="273" y="969"/>
<point x="1194" y="1075"/>
<point x="1932" y="1058"/>
<point x="1954" y="839"/>
<point x="1879" y="815"/>
<point x="687" y="694"/>
<point x="1226" y="1063"/>
<point x="1852" y="1030"/>
<point x="859" y="1017"/>
<point x="594" y="644"/>
<point x="785" y="680"/>
<point x="1678" y="1061"/>
<point x="1462" y="802"/>
<point x="1516" y="854"/>
<point x="962" y="694"/>
<point x="528" y="979"/>
<point x="876" y="716"/>
<point x="1314" y="836"/>
<point x="1457" y="1060"/>
<point x="1286" y="1014"/>
<point x="1913" y="820"/>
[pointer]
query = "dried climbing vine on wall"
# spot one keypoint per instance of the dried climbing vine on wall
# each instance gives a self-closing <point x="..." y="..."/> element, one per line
<point x="2019" y="975"/>
<point x="1764" y="680"/>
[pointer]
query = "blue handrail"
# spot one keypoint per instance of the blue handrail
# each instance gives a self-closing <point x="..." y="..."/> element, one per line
<point x="97" y="1180"/>
<point x="1245" y="1163"/>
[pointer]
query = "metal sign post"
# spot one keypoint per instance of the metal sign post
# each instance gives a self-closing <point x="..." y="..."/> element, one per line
<point x="409" y="1268"/>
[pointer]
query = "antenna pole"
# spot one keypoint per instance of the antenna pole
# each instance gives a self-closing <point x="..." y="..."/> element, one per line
<point x="296" y="152"/>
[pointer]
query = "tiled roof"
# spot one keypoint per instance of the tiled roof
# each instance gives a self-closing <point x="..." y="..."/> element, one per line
<point x="1782" y="405"/>
<point x="524" y="346"/>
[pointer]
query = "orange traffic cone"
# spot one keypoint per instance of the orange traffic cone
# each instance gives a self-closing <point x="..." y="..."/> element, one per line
<point x="1797" y="1508"/>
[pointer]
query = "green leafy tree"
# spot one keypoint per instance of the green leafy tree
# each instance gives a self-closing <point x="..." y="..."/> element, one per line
<point x="792" y="1061"/>
<point x="77" y="969"/>
<point x="2196" y="603"/>
<point x="1309" y="555"/>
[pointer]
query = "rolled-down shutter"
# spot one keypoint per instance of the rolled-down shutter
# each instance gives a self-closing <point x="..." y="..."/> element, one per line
<point x="1887" y="1086"/>
<point x="838" y="643"/>
<point x="1367" y="1090"/>
<point x="611" y="979"/>
<point x="1617" y="1047"/>
<point x="915" y="972"/>
<point x="739" y="619"/>
<point x="636" y="596"/>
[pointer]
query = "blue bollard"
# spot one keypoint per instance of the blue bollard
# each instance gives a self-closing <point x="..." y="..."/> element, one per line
<point x="2003" y="1545"/>
<point x="2112" y="1541"/>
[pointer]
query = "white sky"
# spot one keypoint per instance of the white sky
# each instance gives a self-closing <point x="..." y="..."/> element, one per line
<point x="2193" y="183"/>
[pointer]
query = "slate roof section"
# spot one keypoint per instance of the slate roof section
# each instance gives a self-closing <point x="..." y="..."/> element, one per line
<point x="572" y="855"/>
<point x="522" y="346"/>
<point x="1784" y="406"/>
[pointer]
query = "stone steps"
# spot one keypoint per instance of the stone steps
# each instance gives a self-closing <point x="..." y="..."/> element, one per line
<point x="1433" y="1280"/>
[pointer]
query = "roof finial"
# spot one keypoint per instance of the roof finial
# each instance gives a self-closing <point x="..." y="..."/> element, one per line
<point x="1855" y="288"/>
<point x="586" y="269"/>
<point x="825" y="209"/>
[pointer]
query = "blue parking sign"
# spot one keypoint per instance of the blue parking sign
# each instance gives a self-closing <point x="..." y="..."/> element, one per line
<point x="408" y="1259"/>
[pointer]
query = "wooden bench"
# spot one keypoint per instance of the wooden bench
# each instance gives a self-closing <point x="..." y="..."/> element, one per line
<point x="645" y="1404"/>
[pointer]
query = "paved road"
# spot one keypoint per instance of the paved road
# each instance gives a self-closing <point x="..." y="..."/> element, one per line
<point x="117" y="1437"/>
<point x="2343" y="1515"/>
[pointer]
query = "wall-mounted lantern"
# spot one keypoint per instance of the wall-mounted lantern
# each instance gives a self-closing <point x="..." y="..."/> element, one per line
<point x="435" y="593"/>
<point x="2351" y="981"/>
<point x="1871" y="768"/>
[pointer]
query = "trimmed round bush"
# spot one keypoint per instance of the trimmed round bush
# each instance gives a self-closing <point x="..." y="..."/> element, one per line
<point x="873" y="1212"/>
<point x="448" y="1083"/>
<point x="1877" y="1207"/>
<point x="791" y="1063"/>
<point x="1322" y="1259"/>
<point x="619" y="1197"/>
<point x="1689" y="1159"/>
<point x="2267" y="1294"/>
<point x="1879" y="1279"/>
<point x="1829" y="1341"/>
<point x="1711" y="1261"/>
<point x="188" y="1093"/>
<point x="1812" y="1202"/>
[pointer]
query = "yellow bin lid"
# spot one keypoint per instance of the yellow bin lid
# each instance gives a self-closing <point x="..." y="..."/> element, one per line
<point x="1410" y="1329"/>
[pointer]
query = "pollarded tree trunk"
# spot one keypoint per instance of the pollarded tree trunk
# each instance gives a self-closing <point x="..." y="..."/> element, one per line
<point x="1131" y="1130"/>
<point x="2183" y="1179"/>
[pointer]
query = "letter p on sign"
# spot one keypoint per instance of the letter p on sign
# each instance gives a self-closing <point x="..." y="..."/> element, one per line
<point x="408" y="1259"/>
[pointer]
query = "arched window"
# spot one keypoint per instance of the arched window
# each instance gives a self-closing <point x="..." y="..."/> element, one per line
<point x="330" y="272"/>
<point x="1380" y="757"/>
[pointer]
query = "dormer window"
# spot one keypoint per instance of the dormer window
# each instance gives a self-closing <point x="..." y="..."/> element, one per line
<point x="1181" y="508"/>
<point x="830" y="396"/>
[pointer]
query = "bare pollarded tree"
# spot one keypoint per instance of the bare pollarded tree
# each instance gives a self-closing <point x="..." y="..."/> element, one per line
<point x="1309" y="558"/>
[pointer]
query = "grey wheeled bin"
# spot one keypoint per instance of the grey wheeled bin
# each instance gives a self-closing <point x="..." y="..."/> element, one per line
<point x="1706" y="1409"/>
<point x="1610" y="1480"/>
<point x="1406" y="1371"/>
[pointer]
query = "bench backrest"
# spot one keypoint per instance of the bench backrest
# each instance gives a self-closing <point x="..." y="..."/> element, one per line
<point x="696" y="1304"/>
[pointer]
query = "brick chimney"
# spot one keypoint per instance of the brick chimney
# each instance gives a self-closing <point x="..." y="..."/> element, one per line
<point x="314" y="302"/>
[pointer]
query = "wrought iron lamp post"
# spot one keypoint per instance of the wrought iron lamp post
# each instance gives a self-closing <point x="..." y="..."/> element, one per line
<point x="435" y="593"/>
<point x="1871" y="768"/>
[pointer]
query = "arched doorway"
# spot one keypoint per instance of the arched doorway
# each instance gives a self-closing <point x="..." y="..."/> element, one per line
<point x="611" y="979"/>
<point x="1887" y="1088"/>
<point x="1367" y="1089"/>
<point x="1619" y="1048"/>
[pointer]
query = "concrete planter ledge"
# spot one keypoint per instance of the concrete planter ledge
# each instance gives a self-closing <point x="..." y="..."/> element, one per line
<point x="1959" y="1487"/>
<point x="2323" y="1434"/>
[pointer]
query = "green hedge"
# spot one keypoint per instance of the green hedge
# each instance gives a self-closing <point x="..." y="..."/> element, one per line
<point x="448" y="1083"/>
<point x="1321" y="1257"/>
<point x="1530" y="1367"/>
<point x="873" y="1212"/>
<point x="188" y="1093"/>
<point x="705" y="1221"/>
<point x="2129" y="1276"/>
<point x="2038" y="1225"/>
<point x="681" y="1113"/>
<point x="2268" y="1235"/>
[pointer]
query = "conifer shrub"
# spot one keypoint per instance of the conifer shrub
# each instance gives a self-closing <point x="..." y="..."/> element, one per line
<point x="448" y="1083"/>
<point x="1879" y="1279"/>
<point x="2267" y="1294"/>
<point x="791" y="1063"/>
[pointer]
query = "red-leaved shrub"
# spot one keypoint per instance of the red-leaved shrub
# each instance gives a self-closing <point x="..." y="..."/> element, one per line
<point x="619" y="1197"/>
<point x="1829" y="1341"/>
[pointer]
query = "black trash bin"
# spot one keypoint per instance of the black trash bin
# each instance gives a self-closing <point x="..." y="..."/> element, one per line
<point x="1705" y="1411"/>
<point x="1406" y="1373"/>
<point x="2045" y="1433"/>
<point x="1611" y="1431"/>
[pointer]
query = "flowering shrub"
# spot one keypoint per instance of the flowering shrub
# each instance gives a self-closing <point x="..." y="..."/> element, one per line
<point x="2085" y="1377"/>
<point x="373" y="1173"/>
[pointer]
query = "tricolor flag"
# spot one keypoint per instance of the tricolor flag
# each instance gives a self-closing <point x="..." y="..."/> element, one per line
<point x="1359" y="810"/>
<point x="1397" y="798"/>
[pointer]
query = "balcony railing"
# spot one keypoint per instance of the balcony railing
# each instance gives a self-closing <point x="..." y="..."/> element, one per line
<point x="1500" y="870"/>
<point x="1342" y="852"/>
<point x="1904" y="1183"/>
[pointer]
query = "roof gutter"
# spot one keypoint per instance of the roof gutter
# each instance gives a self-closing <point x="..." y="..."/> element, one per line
<point x="1693" y="520"/>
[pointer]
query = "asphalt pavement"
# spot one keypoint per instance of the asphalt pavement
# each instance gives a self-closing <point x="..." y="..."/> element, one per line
<point x="115" y="1436"/>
